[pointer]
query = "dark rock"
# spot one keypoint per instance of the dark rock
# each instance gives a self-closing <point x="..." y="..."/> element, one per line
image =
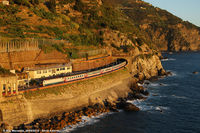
<point x="130" y="96"/>
<point x="141" y="82"/>
<point x="130" y="107"/>
<point x="126" y="106"/>
<point x="146" y="83"/>
<point x="154" y="78"/>
<point x="161" y="72"/>
<point x="138" y="96"/>
<point x="195" y="72"/>
<point x="169" y="73"/>
<point x="144" y="92"/>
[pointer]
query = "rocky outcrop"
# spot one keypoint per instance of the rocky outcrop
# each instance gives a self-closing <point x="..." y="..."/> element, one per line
<point x="147" y="66"/>
<point x="126" y="106"/>
<point x="175" y="38"/>
<point x="159" y="27"/>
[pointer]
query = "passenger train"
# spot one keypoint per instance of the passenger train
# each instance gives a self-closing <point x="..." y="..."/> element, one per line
<point x="117" y="65"/>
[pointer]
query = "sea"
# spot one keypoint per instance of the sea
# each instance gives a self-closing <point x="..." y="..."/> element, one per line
<point x="173" y="105"/>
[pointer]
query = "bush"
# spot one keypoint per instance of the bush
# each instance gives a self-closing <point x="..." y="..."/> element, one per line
<point x="79" y="6"/>
<point x="35" y="2"/>
<point x="43" y="14"/>
<point x="4" y="71"/>
<point x="23" y="2"/>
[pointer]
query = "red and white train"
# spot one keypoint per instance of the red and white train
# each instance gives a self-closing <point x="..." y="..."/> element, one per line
<point x="119" y="64"/>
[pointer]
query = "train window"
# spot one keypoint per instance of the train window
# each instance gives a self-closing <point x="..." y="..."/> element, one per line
<point x="68" y="68"/>
<point x="58" y="69"/>
<point x="49" y="70"/>
<point x="62" y="68"/>
<point x="44" y="71"/>
<point x="4" y="87"/>
<point x="39" y="72"/>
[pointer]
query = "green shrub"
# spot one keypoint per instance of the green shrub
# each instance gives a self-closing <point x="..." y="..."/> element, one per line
<point x="79" y="6"/>
<point x="23" y="2"/>
<point x="4" y="71"/>
<point x="43" y="14"/>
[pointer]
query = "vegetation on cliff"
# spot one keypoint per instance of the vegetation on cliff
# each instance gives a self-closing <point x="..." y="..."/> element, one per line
<point x="85" y="22"/>
<point x="4" y="72"/>
<point x="166" y="31"/>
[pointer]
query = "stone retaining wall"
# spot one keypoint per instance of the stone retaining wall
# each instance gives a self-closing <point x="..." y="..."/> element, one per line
<point x="19" y="60"/>
<point x="93" y="63"/>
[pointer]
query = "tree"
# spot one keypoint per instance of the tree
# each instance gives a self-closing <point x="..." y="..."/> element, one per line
<point x="79" y="6"/>
<point x="23" y="2"/>
<point x="52" y="5"/>
<point x="35" y="2"/>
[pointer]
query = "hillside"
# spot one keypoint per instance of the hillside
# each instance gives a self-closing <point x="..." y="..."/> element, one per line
<point x="120" y="25"/>
<point x="166" y="31"/>
<point x="81" y="23"/>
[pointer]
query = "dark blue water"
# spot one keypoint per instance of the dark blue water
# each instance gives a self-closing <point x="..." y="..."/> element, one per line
<point x="178" y="97"/>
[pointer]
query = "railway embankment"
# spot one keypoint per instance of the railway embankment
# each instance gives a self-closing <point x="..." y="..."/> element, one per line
<point x="48" y="102"/>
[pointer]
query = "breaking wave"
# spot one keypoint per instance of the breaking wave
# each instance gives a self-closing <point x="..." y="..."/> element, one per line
<point x="179" y="97"/>
<point x="85" y="121"/>
<point x="170" y="59"/>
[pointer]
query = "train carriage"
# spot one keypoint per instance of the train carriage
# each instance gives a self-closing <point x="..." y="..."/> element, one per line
<point x="90" y="74"/>
<point x="53" y="81"/>
<point x="84" y="75"/>
<point x="75" y="77"/>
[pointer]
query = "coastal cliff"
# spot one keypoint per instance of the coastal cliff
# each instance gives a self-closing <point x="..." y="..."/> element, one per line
<point x="159" y="27"/>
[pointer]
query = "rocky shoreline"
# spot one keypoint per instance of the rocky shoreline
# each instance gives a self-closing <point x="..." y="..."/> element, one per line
<point x="59" y="121"/>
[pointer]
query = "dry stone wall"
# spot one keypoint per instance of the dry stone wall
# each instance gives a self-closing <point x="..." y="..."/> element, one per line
<point x="19" y="60"/>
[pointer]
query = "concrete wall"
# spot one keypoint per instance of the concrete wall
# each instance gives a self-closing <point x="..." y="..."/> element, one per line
<point x="17" y="110"/>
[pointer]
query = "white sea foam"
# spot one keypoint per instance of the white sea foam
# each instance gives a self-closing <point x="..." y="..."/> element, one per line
<point x="154" y="84"/>
<point x="139" y="84"/>
<point x="179" y="97"/>
<point x="144" y="106"/>
<point x="155" y="95"/>
<point x="170" y="59"/>
<point x="150" y="84"/>
<point x="141" y="105"/>
<point x="173" y="73"/>
<point x="85" y="121"/>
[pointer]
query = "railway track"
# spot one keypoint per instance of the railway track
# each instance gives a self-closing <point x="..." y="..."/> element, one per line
<point x="111" y="68"/>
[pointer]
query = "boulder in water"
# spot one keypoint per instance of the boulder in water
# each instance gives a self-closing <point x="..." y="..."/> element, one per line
<point x="144" y="92"/>
<point x="130" y="107"/>
<point x="169" y="73"/>
<point x="195" y="72"/>
<point x="127" y="106"/>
